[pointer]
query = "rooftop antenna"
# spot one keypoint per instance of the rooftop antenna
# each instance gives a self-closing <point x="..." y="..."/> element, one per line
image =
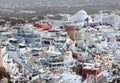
<point x="101" y="12"/>
<point x="115" y="24"/>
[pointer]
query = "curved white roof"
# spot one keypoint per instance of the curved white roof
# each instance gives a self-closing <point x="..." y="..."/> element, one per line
<point x="79" y="16"/>
<point x="82" y="12"/>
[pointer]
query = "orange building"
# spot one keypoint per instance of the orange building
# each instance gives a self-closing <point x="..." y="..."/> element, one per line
<point x="1" y="64"/>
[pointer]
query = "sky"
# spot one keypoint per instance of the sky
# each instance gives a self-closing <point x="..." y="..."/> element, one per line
<point x="59" y="1"/>
<point x="58" y="5"/>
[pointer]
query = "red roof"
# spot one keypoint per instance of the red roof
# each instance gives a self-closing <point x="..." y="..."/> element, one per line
<point x="37" y="25"/>
<point x="43" y="27"/>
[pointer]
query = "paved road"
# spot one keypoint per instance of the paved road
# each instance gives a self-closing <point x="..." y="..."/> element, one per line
<point x="103" y="81"/>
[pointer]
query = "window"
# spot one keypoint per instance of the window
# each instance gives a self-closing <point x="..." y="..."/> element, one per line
<point x="46" y="42"/>
<point x="37" y="40"/>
